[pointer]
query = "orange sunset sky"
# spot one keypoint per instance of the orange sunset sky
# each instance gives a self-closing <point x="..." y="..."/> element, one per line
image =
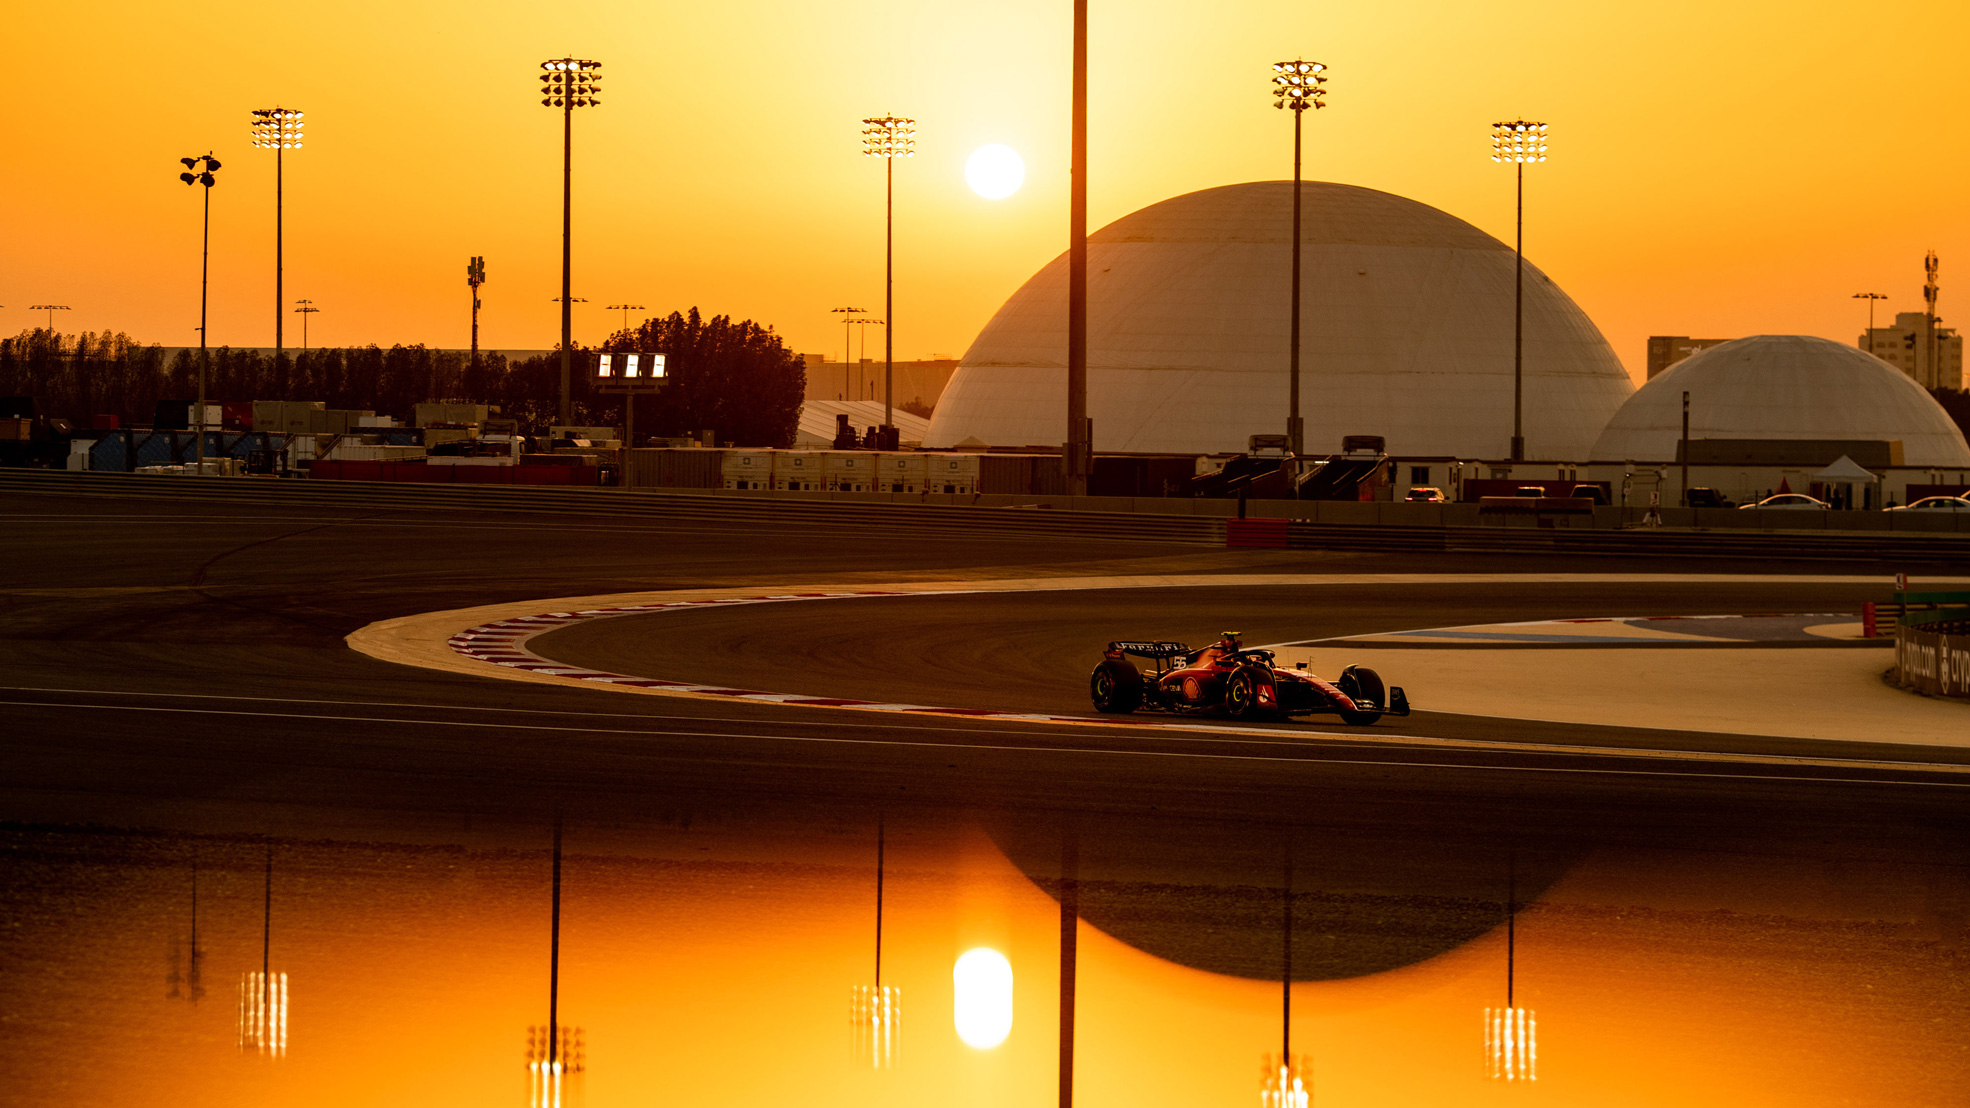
<point x="1720" y="168"/>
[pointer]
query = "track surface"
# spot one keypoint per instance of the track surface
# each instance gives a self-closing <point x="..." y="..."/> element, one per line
<point x="182" y="667"/>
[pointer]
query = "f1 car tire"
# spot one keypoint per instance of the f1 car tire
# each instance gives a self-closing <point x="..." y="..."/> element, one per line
<point x="1115" y="688"/>
<point x="1362" y="683"/>
<point x="1241" y="695"/>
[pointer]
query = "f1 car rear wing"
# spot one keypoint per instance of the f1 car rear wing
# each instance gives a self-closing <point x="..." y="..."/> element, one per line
<point x="1147" y="649"/>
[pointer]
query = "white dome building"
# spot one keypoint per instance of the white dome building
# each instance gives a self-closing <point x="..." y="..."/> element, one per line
<point x="1406" y="332"/>
<point x="1783" y="387"/>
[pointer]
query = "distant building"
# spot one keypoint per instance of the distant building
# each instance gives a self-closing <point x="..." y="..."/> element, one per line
<point x="1934" y="362"/>
<point x="1667" y="350"/>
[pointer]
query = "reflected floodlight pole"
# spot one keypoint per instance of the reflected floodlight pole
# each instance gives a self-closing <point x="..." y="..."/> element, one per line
<point x="847" y="348"/>
<point x="279" y="130"/>
<point x="1079" y="448"/>
<point x="306" y="309"/>
<point x="889" y="137"/>
<point x="194" y="175"/>
<point x="1070" y="934"/>
<point x="1519" y="143"/>
<point x="1870" y="297"/>
<point x="1511" y="1033"/>
<point x="1296" y="85"/>
<point x="569" y="83"/>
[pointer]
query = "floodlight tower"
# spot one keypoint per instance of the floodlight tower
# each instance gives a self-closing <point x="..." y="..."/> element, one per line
<point x="1518" y="143"/>
<point x="889" y="137"/>
<point x="847" y="347"/>
<point x="306" y="309"/>
<point x="625" y="309"/>
<point x="1870" y="297"/>
<point x="194" y="175"/>
<point x="279" y="130"/>
<point x="1296" y="85"/>
<point x="567" y="84"/>
<point x="51" y="309"/>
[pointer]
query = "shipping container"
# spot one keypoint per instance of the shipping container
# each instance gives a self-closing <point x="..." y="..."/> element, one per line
<point x="951" y="473"/>
<point x="799" y="470"/>
<point x="900" y="472"/>
<point x="846" y="471"/>
<point x="747" y="469"/>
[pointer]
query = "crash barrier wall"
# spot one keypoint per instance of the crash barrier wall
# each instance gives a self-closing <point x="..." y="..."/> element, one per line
<point x="1936" y="611"/>
<point x="1933" y="662"/>
<point x="1090" y="518"/>
<point x="425" y="473"/>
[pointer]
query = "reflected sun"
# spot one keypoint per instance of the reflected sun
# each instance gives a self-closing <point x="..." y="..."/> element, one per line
<point x="995" y="171"/>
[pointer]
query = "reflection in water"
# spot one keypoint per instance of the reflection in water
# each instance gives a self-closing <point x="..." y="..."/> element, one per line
<point x="555" y="1063"/>
<point x="875" y="1012"/>
<point x="1511" y="1045"/>
<point x="875" y="1022"/>
<point x="1284" y="1085"/>
<point x="190" y="983"/>
<point x="981" y="997"/>
<point x="263" y="1014"/>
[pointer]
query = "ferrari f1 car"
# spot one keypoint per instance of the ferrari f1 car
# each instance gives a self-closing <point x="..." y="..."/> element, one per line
<point x="1227" y="679"/>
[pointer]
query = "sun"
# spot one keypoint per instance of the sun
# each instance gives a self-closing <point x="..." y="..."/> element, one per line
<point x="994" y="171"/>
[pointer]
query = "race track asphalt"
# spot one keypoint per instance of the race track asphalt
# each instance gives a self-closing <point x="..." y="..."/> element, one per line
<point x="179" y="668"/>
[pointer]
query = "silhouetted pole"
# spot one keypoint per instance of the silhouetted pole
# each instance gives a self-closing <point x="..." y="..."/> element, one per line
<point x="1296" y="85"/>
<point x="279" y="130"/>
<point x="1684" y="499"/>
<point x="1078" y="446"/>
<point x="1518" y="142"/>
<point x="1870" y="297"/>
<point x="888" y="137"/>
<point x="475" y="275"/>
<point x="194" y="175"/>
<point x="307" y="308"/>
<point x="1070" y="919"/>
<point x="570" y="83"/>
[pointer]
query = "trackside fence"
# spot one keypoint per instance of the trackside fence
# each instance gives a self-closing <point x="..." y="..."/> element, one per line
<point x="1932" y="642"/>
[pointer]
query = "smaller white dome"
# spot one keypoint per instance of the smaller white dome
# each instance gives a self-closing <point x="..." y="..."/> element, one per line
<point x="1783" y="387"/>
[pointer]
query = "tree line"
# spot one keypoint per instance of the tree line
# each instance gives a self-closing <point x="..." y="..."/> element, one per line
<point x="737" y="379"/>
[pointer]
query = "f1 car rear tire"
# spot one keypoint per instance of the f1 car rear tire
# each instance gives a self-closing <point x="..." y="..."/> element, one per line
<point x="1362" y="683"/>
<point x="1115" y="688"/>
<point x="1241" y="695"/>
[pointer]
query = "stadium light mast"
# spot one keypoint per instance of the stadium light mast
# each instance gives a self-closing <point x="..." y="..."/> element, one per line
<point x="194" y="175"/>
<point x="1870" y="297"/>
<point x="569" y="83"/>
<point x="1518" y="143"/>
<point x="847" y="347"/>
<point x="889" y="137"/>
<point x="625" y="309"/>
<point x="279" y="130"/>
<point x="51" y="309"/>
<point x="1296" y="85"/>
<point x="306" y="309"/>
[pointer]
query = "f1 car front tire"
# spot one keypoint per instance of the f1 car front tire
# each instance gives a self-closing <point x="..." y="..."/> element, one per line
<point x="1362" y="683"/>
<point x="1115" y="688"/>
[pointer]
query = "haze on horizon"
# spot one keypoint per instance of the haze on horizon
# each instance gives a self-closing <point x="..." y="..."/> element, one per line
<point x="1718" y="169"/>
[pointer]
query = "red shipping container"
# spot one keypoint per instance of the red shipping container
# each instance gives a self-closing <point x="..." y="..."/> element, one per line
<point x="105" y="421"/>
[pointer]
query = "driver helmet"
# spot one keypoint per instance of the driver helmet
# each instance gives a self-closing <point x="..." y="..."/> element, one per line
<point x="1231" y="642"/>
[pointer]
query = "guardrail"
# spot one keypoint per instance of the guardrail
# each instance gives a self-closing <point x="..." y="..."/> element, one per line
<point x="1932" y="641"/>
<point x="954" y="514"/>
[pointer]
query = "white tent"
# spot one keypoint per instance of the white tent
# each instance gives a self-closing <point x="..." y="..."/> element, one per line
<point x="817" y="422"/>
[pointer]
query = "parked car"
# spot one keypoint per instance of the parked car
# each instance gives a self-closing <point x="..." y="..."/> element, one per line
<point x="1795" y="501"/>
<point x="1529" y="492"/>
<point x="1702" y="497"/>
<point x="1427" y="494"/>
<point x="1590" y="492"/>
<point x="1936" y="504"/>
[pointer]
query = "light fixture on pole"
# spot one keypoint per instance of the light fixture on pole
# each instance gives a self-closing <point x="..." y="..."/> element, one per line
<point x="1519" y="143"/>
<point x="199" y="171"/>
<point x="1511" y="1040"/>
<point x="475" y="275"/>
<point x="847" y="347"/>
<point x="307" y="308"/>
<point x="1931" y="289"/>
<point x="263" y="995"/>
<point x="1296" y="85"/>
<point x="51" y="309"/>
<point x="862" y="333"/>
<point x="567" y="84"/>
<point x="626" y="309"/>
<point x="554" y="1053"/>
<point x="1283" y="1080"/>
<point x="279" y="130"/>
<point x="889" y="137"/>
<point x="1870" y="297"/>
<point x="875" y="1012"/>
